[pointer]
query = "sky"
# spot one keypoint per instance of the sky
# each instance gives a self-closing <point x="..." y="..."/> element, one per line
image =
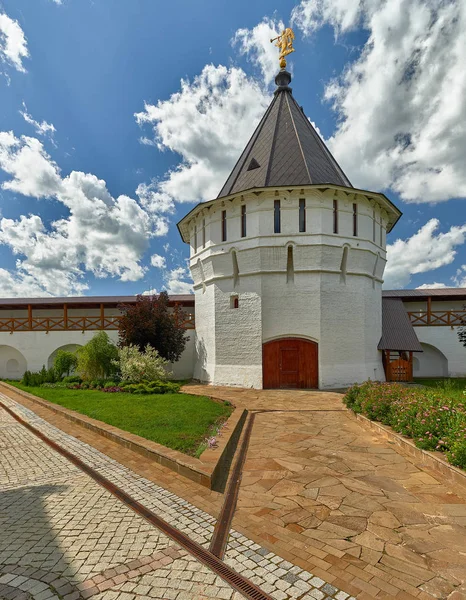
<point x="117" y="117"/>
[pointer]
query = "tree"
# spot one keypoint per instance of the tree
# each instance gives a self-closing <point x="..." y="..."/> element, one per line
<point x="64" y="362"/>
<point x="96" y="360"/>
<point x="462" y="331"/>
<point x="151" y="321"/>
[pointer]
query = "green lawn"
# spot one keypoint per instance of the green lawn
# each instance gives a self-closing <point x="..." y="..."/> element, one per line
<point x="178" y="421"/>
<point x="451" y="385"/>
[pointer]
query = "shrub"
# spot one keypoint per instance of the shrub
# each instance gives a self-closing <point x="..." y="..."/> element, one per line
<point x="137" y="366"/>
<point x="153" y="387"/>
<point x="435" y="419"/>
<point x="37" y="379"/>
<point x="72" y="379"/>
<point x="64" y="363"/>
<point x="98" y="358"/>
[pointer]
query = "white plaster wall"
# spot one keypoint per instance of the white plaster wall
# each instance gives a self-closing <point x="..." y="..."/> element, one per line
<point x="37" y="347"/>
<point x="446" y="340"/>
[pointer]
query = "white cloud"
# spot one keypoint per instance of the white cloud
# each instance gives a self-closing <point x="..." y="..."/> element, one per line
<point x="431" y="286"/>
<point x="255" y="43"/>
<point x="207" y="124"/>
<point x="102" y="235"/>
<point x="402" y="103"/>
<point x="158" y="261"/>
<point x="44" y="128"/>
<point x="178" y="281"/>
<point x="13" y="44"/>
<point x="425" y="251"/>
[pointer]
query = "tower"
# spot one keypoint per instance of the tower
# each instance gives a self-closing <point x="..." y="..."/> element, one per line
<point x="287" y="263"/>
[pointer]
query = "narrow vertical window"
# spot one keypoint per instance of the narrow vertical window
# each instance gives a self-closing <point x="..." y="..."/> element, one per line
<point x="195" y="238"/>
<point x="355" y="219"/>
<point x="373" y="225"/>
<point x="302" y="215"/>
<point x="224" y="225"/>
<point x="203" y="233"/>
<point x="289" y="265"/>
<point x="276" y="217"/>
<point x="335" y="216"/>
<point x="381" y="233"/>
<point x="243" y="220"/>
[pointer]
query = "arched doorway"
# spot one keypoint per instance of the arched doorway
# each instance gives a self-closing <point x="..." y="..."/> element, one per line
<point x="432" y="362"/>
<point x="290" y="363"/>
<point x="66" y="348"/>
<point x="12" y="363"/>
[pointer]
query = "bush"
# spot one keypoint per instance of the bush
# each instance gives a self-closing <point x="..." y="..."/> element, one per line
<point x="37" y="379"/>
<point x="152" y="387"/>
<point x="98" y="358"/>
<point x="72" y="379"/>
<point x="64" y="363"/>
<point x="435" y="419"/>
<point x="137" y="366"/>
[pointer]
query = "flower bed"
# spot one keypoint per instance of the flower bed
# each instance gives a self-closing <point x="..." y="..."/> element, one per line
<point x="434" y="418"/>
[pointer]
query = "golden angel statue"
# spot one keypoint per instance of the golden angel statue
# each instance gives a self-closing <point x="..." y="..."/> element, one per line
<point x="285" y="43"/>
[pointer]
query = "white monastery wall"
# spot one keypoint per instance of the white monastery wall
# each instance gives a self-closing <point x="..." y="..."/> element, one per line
<point x="22" y="350"/>
<point x="440" y="342"/>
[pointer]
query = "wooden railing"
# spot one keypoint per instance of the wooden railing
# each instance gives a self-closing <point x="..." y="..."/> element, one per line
<point x="437" y="318"/>
<point x="67" y="323"/>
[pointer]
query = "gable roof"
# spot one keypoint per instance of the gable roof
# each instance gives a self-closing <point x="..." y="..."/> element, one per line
<point x="397" y="330"/>
<point x="285" y="149"/>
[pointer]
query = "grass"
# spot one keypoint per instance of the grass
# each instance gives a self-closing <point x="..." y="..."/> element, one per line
<point x="448" y="385"/>
<point x="178" y="421"/>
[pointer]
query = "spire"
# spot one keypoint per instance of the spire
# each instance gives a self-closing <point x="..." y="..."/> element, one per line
<point x="285" y="149"/>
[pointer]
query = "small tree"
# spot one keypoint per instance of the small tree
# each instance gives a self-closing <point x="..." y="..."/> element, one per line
<point x="96" y="360"/>
<point x="462" y="331"/>
<point x="65" y="362"/>
<point x="137" y="366"/>
<point x="150" y="321"/>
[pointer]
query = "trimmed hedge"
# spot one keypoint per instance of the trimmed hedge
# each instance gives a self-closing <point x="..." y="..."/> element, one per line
<point x="433" y="418"/>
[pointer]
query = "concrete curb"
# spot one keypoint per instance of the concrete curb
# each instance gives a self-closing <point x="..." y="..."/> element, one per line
<point x="434" y="460"/>
<point x="206" y="471"/>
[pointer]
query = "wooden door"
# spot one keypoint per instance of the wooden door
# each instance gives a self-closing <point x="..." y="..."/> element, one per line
<point x="290" y="363"/>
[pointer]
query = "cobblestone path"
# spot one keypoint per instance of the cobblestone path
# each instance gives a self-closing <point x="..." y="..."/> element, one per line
<point x="63" y="536"/>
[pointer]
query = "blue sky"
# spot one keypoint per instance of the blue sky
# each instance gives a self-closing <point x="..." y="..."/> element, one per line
<point x="373" y="80"/>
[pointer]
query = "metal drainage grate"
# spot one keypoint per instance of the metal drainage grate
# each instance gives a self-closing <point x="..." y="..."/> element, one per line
<point x="223" y="525"/>
<point x="237" y="581"/>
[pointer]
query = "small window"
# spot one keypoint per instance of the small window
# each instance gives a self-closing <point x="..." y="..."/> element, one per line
<point x="355" y="219"/>
<point x="335" y="216"/>
<point x="234" y="302"/>
<point x="195" y="238"/>
<point x="203" y="233"/>
<point x="381" y="233"/>
<point x="276" y="217"/>
<point x="243" y="220"/>
<point x="302" y="215"/>
<point x="224" y="225"/>
<point x="373" y="225"/>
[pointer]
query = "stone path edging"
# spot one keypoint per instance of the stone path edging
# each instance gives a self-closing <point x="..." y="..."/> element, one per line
<point x="206" y="472"/>
<point x="454" y="474"/>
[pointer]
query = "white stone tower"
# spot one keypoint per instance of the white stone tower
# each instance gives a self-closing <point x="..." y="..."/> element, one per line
<point x="287" y="264"/>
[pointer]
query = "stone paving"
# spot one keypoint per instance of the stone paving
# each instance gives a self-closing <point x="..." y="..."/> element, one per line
<point x="333" y="498"/>
<point x="64" y="536"/>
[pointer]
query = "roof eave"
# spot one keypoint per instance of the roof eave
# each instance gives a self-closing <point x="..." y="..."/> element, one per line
<point x="182" y="224"/>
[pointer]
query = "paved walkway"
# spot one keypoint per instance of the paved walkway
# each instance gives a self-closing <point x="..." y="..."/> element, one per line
<point x="343" y="507"/>
<point x="326" y="493"/>
<point x="65" y="536"/>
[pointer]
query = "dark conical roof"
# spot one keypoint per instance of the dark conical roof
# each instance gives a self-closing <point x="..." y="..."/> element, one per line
<point x="285" y="149"/>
